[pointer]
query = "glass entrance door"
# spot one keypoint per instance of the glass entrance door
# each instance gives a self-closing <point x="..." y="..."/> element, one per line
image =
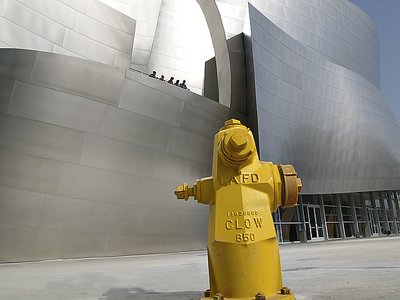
<point x="372" y="222"/>
<point x="315" y="222"/>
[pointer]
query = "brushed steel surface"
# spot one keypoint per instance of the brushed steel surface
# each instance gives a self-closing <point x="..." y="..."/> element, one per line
<point x="17" y="37"/>
<point x="119" y="156"/>
<point x="88" y="48"/>
<point x="104" y="14"/>
<point x="329" y="121"/>
<point x="20" y="208"/>
<point x="25" y="17"/>
<point x="40" y="139"/>
<point x="29" y="173"/>
<point x="6" y="88"/>
<point x="136" y="129"/>
<point x="152" y="103"/>
<point x="52" y="106"/>
<point x="80" y="6"/>
<point x="98" y="150"/>
<point x="104" y="83"/>
<point x="104" y="34"/>
<point x="54" y="10"/>
<point x="101" y="175"/>
<point x="88" y="29"/>
<point x="189" y="145"/>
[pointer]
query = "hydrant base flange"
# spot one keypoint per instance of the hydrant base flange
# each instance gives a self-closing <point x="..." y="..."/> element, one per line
<point x="274" y="297"/>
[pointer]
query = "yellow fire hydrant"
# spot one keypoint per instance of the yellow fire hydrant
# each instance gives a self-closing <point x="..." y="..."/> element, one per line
<point x="243" y="251"/>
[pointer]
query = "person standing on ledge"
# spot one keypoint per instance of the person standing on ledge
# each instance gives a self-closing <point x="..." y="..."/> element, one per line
<point x="183" y="85"/>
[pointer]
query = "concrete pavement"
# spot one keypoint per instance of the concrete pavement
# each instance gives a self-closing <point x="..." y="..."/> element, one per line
<point x="350" y="269"/>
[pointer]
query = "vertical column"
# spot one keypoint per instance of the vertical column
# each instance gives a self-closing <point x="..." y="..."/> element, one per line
<point x="340" y="216"/>
<point x="350" y="197"/>
<point x="365" y="217"/>
<point x="302" y="231"/>
<point x="385" y="215"/>
<point x="397" y="205"/>
<point x="393" y="209"/>
<point x="324" y="227"/>
<point x="376" y="215"/>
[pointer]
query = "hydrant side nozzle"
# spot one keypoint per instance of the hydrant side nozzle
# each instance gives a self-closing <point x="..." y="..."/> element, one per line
<point x="291" y="185"/>
<point x="182" y="191"/>
<point x="202" y="190"/>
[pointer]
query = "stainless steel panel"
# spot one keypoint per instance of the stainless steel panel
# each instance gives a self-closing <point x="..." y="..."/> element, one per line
<point x="135" y="128"/>
<point x="151" y="103"/>
<point x="29" y="173"/>
<point x="20" y="208"/>
<point x="19" y="37"/>
<point x="8" y="242"/>
<point x="146" y="15"/>
<point x="53" y="10"/>
<point x="168" y="89"/>
<point x="6" y="88"/>
<point x="102" y="12"/>
<point x="48" y="105"/>
<point x="85" y="78"/>
<point x="38" y="244"/>
<point x="40" y="139"/>
<point x="176" y="169"/>
<point x="154" y="222"/>
<point x="118" y="156"/>
<point x="146" y="244"/>
<point x="210" y="106"/>
<point x="177" y="20"/>
<point x="122" y="60"/>
<point x="17" y="63"/>
<point x="200" y="121"/>
<point x="88" y="48"/>
<point x="60" y="50"/>
<point x="80" y="6"/>
<point x="76" y="215"/>
<point x="194" y="224"/>
<point x="36" y="23"/>
<point x="319" y="114"/>
<point x="116" y="188"/>
<point x="187" y="144"/>
<point x="104" y="34"/>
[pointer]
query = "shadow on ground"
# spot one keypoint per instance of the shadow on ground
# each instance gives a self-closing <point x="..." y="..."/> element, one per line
<point x="140" y="294"/>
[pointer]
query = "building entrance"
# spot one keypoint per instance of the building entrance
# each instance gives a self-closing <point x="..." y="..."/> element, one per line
<point x="372" y="222"/>
<point x="314" y="224"/>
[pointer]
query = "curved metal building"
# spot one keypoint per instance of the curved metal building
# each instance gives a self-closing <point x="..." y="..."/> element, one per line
<point x="91" y="148"/>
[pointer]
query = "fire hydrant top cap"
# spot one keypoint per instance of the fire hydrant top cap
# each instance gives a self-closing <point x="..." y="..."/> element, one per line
<point x="238" y="141"/>
<point x="232" y="122"/>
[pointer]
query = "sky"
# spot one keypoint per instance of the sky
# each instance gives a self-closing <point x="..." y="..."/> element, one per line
<point x="386" y="15"/>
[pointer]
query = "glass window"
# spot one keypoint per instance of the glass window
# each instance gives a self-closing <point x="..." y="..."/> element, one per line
<point x="290" y="232"/>
<point x="349" y="230"/>
<point x="329" y="200"/>
<point x="331" y="213"/>
<point x="290" y="214"/>
<point x="333" y="230"/>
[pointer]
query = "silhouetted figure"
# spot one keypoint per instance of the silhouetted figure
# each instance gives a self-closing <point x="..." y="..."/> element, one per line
<point x="171" y="80"/>
<point x="161" y="78"/>
<point x="177" y="82"/>
<point x="183" y="85"/>
<point x="153" y="75"/>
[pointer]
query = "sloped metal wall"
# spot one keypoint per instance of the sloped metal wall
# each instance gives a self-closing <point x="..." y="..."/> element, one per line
<point x="90" y="157"/>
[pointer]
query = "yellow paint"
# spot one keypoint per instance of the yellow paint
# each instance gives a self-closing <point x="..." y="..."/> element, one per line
<point x="243" y="251"/>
